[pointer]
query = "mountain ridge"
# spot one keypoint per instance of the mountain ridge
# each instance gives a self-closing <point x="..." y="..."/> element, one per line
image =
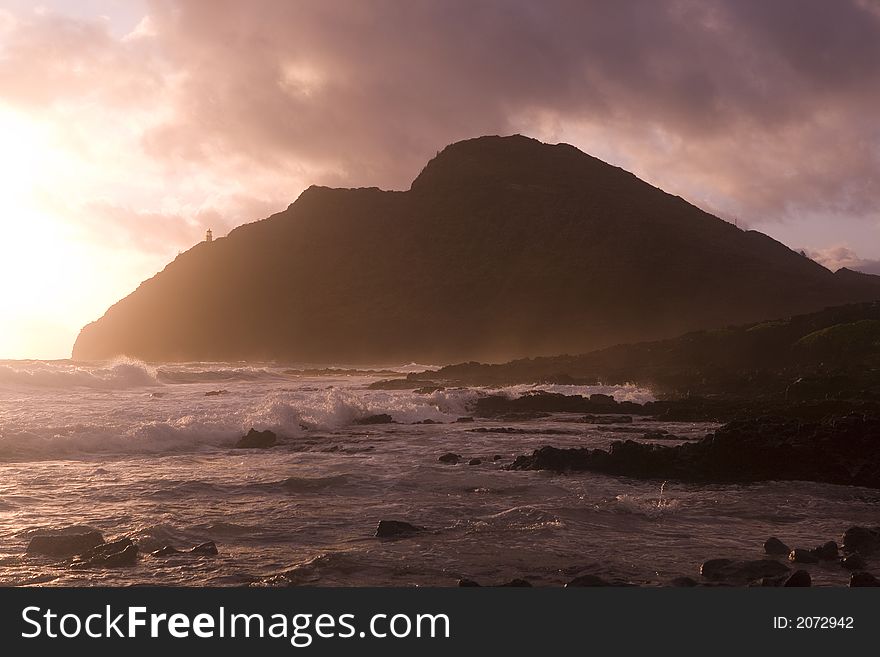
<point x="502" y="247"/>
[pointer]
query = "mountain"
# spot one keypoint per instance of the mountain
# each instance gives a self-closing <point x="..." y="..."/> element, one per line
<point x="503" y="247"/>
<point x="833" y="353"/>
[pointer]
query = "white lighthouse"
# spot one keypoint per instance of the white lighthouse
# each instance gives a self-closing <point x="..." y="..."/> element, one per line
<point x="209" y="236"/>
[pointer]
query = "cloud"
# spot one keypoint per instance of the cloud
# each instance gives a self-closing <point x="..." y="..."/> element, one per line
<point x="755" y="110"/>
<point x="837" y="257"/>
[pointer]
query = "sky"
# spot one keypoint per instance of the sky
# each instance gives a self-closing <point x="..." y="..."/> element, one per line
<point x="129" y="127"/>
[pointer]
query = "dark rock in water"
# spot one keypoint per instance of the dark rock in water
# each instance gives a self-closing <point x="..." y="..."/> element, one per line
<point x="798" y="578"/>
<point x="208" y="548"/>
<point x="381" y="418"/>
<point x="741" y="571"/>
<point x="606" y="419"/>
<point x="497" y="457"/>
<point x="123" y="552"/>
<point x="474" y="462"/>
<point x="853" y="562"/>
<point x="659" y="434"/>
<point x="464" y="582"/>
<point x="214" y="393"/>
<point x="587" y="580"/>
<point x="864" y="540"/>
<point x="799" y="555"/>
<point x="62" y="543"/>
<point x="774" y="546"/>
<point x="464" y="419"/>
<point x="450" y="458"/>
<point x="518" y="583"/>
<point x="428" y="421"/>
<point x="826" y="552"/>
<point x="756" y="449"/>
<point x="684" y="582"/>
<point x="862" y="578"/>
<point x="396" y="529"/>
<point x="165" y="551"/>
<point x="598" y="398"/>
<point x="257" y="440"/>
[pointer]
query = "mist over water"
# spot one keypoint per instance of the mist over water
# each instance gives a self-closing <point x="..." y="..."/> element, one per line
<point x="146" y="451"/>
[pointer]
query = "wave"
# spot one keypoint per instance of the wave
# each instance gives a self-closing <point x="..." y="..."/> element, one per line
<point x="114" y="375"/>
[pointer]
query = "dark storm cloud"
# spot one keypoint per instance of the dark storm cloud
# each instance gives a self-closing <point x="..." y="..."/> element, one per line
<point x="773" y="104"/>
<point x="759" y="109"/>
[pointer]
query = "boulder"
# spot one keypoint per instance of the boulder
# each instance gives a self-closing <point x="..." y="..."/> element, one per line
<point x="465" y="582"/>
<point x="517" y="583"/>
<point x="774" y="546"/>
<point x="799" y="555"/>
<point x="729" y="570"/>
<point x="862" y="578"/>
<point x="63" y="543"/>
<point x="123" y="552"/>
<point x="587" y="581"/>
<point x="257" y="440"/>
<point x="381" y="418"/>
<point x="798" y="578"/>
<point x="474" y="462"/>
<point x="861" y="539"/>
<point x="853" y="562"/>
<point x="826" y="551"/>
<point x="206" y="549"/>
<point x="396" y="529"/>
<point x="684" y="582"/>
<point x="450" y="458"/>
<point x="215" y="393"/>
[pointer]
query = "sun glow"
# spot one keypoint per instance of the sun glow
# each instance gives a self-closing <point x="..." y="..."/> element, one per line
<point x="42" y="266"/>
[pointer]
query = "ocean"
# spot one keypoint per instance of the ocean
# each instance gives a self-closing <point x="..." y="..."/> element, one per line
<point x="147" y="452"/>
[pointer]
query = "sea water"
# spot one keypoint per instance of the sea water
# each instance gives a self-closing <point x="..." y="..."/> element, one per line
<point x="147" y="452"/>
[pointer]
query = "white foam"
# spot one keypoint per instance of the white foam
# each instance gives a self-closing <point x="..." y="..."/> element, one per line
<point x="118" y="374"/>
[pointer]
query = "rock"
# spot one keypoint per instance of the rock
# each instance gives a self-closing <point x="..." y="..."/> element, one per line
<point x="464" y="582"/>
<point x="381" y="418"/>
<point x="396" y="529"/>
<point x="799" y="555"/>
<point x="754" y="449"/>
<point x="774" y="546"/>
<point x="214" y="393"/>
<point x="208" y="548"/>
<point x="853" y="562"/>
<point x="257" y="440"/>
<point x="165" y="551"/>
<point x="63" y="543"/>
<point x="587" y="580"/>
<point x="123" y="552"/>
<point x="474" y="462"/>
<point x="497" y="457"/>
<point x="428" y="421"/>
<point x="684" y="582"/>
<point x="798" y="578"/>
<point x="741" y="571"/>
<point x="598" y="398"/>
<point x="518" y="583"/>
<point x="826" y="551"/>
<point x="862" y="578"/>
<point x="450" y="458"/>
<point x="464" y="419"/>
<point x="861" y="539"/>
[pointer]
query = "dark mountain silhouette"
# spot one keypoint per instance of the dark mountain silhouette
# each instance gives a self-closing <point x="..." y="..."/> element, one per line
<point x="502" y="247"/>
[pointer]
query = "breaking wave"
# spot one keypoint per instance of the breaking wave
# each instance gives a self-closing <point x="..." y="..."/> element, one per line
<point x="114" y="375"/>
